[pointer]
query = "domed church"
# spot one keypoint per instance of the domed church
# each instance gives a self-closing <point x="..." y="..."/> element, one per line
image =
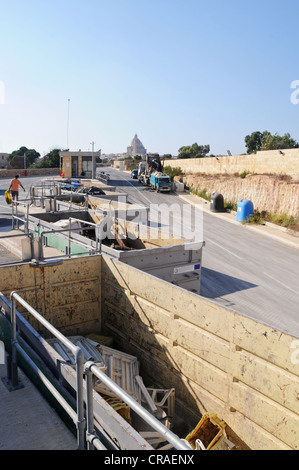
<point x="136" y="147"/>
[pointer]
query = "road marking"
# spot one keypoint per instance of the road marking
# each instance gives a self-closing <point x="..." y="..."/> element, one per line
<point x="141" y="193"/>
<point x="225" y="249"/>
<point x="281" y="283"/>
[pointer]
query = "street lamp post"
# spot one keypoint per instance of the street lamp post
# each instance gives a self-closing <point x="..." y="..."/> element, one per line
<point x="92" y="146"/>
<point x="68" y="124"/>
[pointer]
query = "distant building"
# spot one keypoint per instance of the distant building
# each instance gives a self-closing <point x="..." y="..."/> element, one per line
<point x="136" y="147"/>
<point x="3" y="159"/>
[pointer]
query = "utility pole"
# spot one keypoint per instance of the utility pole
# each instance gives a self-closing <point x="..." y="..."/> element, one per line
<point x="68" y="124"/>
<point x="92" y="147"/>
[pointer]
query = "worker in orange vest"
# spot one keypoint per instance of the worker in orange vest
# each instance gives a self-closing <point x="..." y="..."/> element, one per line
<point x="14" y="187"/>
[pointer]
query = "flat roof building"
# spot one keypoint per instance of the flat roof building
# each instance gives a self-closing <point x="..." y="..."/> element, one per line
<point x="3" y="159"/>
<point x="75" y="164"/>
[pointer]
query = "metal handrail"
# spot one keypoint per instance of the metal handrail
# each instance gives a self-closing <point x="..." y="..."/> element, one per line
<point x="15" y="216"/>
<point x="78" y="418"/>
<point x="90" y="369"/>
<point x="43" y="236"/>
<point x="69" y="230"/>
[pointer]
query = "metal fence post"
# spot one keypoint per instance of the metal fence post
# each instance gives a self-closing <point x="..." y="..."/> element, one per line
<point x="89" y="408"/>
<point x="80" y="405"/>
<point x="12" y="382"/>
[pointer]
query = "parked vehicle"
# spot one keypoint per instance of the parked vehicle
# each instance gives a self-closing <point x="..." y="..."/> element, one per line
<point x="160" y="181"/>
<point x="151" y="174"/>
<point x="134" y="174"/>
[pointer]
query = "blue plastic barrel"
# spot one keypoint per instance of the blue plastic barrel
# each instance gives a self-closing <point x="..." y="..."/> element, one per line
<point x="244" y="210"/>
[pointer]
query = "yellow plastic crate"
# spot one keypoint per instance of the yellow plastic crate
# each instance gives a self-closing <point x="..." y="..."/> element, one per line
<point x="210" y="431"/>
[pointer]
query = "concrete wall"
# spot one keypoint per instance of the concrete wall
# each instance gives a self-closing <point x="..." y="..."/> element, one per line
<point x="122" y="165"/>
<point x="66" y="294"/>
<point x="270" y="161"/>
<point x="217" y="360"/>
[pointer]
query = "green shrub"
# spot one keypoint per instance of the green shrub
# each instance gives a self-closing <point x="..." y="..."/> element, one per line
<point x="172" y="172"/>
<point x="244" y="174"/>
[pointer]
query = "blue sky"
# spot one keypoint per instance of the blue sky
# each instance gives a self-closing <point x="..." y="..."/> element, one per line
<point x="173" y="71"/>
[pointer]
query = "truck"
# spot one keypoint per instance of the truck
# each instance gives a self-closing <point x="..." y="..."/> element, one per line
<point x="150" y="173"/>
<point x="160" y="181"/>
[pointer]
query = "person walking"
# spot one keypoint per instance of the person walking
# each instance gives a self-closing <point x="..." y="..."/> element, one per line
<point x="14" y="187"/>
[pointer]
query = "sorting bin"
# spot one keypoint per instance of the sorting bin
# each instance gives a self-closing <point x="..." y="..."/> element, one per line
<point x="244" y="210"/>
<point x="217" y="203"/>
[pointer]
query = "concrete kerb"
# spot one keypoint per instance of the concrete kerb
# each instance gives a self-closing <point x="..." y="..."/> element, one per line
<point x="269" y="229"/>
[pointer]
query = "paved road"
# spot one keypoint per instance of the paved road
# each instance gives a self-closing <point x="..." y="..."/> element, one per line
<point x="243" y="270"/>
<point x="4" y="185"/>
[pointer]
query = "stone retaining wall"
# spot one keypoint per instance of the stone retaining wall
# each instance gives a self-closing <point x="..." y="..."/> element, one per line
<point x="30" y="172"/>
<point x="270" y="161"/>
<point x="268" y="193"/>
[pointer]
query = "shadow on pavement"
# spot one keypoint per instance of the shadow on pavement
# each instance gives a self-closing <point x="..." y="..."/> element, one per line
<point x="215" y="284"/>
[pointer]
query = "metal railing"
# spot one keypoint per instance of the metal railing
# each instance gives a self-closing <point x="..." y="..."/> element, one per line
<point x="91" y="369"/>
<point x="44" y="233"/>
<point x="16" y="218"/>
<point x="77" y="417"/>
<point x="86" y="433"/>
<point x="15" y="215"/>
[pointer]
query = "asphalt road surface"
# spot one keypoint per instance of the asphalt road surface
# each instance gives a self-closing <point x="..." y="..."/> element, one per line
<point x="4" y="185"/>
<point x="243" y="270"/>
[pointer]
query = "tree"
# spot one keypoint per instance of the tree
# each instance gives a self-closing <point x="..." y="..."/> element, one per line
<point x="30" y="154"/>
<point x="51" y="160"/>
<point x="273" y="142"/>
<point x="254" y="142"/>
<point x="266" y="141"/>
<point x="194" y="151"/>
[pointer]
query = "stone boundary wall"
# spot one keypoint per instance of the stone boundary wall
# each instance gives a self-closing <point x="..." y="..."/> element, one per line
<point x="30" y="172"/>
<point x="267" y="193"/>
<point x="270" y="161"/>
<point x="217" y="360"/>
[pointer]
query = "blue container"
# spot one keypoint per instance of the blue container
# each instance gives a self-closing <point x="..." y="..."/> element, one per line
<point x="244" y="210"/>
<point x="75" y="184"/>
